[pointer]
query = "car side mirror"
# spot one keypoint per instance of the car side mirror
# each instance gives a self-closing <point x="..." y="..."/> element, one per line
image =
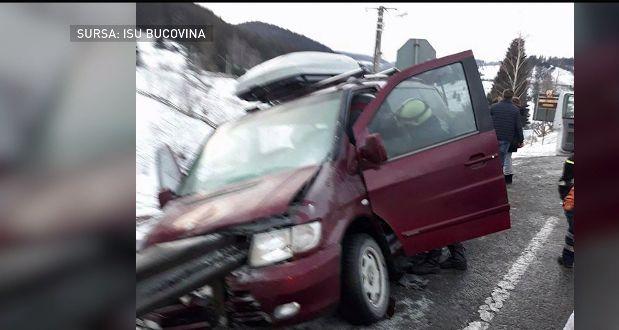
<point x="373" y="152"/>
<point x="169" y="175"/>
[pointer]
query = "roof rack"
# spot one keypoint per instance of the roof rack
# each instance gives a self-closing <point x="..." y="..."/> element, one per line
<point x="321" y="84"/>
<point x="382" y="74"/>
<point x="342" y="77"/>
<point x="358" y="74"/>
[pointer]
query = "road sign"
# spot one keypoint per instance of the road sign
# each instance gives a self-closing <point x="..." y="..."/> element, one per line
<point x="546" y="106"/>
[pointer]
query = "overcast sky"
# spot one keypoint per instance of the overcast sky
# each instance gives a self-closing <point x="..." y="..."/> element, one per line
<point x="486" y="28"/>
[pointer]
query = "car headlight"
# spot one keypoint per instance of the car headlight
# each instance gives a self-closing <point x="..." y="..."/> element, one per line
<point x="278" y="245"/>
<point x="305" y="237"/>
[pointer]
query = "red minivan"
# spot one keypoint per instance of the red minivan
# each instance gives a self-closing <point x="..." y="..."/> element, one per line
<point x="346" y="177"/>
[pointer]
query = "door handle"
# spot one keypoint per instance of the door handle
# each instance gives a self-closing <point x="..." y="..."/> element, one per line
<point x="474" y="160"/>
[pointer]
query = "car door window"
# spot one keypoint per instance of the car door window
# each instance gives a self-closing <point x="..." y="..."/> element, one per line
<point x="424" y="110"/>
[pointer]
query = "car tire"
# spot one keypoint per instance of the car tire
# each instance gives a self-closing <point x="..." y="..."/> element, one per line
<point x="365" y="281"/>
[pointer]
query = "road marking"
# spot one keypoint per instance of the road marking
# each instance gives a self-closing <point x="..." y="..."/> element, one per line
<point x="500" y="294"/>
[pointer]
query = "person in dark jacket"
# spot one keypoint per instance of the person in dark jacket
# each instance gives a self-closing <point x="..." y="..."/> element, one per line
<point x="507" y="124"/>
<point x="513" y="147"/>
<point x="566" y="192"/>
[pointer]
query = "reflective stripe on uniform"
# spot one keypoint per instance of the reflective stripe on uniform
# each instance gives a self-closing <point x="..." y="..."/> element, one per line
<point x="569" y="247"/>
<point x="569" y="161"/>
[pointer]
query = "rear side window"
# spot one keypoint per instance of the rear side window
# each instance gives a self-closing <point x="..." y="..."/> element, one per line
<point x="569" y="107"/>
<point x="425" y="110"/>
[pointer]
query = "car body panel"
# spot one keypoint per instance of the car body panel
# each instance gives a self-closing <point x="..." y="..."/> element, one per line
<point x="312" y="282"/>
<point x="241" y="203"/>
<point x="430" y="196"/>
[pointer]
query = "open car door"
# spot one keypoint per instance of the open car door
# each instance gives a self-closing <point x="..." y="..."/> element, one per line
<point x="442" y="181"/>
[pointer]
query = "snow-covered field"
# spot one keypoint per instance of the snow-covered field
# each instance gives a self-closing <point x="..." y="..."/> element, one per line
<point x="179" y="105"/>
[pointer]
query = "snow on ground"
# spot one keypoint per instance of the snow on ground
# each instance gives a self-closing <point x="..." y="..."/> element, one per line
<point x="538" y="148"/>
<point x="193" y="98"/>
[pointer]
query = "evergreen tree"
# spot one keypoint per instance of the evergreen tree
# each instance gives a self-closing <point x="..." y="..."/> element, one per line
<point x="524" y="116"/>
<point x="515" y="72"/>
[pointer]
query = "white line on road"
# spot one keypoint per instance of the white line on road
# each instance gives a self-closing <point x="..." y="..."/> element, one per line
<point x="501" y="293"/>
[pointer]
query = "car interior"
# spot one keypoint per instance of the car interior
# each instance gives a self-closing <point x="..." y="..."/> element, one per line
<point x="357" y="104"/>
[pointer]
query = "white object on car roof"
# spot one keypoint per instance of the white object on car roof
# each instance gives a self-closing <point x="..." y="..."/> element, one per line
<point x="293" y="65"/>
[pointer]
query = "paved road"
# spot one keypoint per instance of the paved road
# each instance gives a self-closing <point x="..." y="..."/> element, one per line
<point x="513" y="280"/>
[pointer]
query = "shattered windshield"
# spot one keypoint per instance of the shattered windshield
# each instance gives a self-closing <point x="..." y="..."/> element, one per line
<point x="287" y="136"/>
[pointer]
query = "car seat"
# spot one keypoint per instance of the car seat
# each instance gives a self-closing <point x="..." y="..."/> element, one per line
<point x="358" y="103"/>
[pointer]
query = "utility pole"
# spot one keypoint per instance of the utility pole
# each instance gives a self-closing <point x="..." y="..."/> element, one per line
<point x="379" y="32"/>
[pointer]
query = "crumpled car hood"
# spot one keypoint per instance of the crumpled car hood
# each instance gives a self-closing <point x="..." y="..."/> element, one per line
<point x="234" y="205"/>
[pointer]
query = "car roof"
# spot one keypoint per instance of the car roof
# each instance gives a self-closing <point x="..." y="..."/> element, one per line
<point x="352" y="85"/>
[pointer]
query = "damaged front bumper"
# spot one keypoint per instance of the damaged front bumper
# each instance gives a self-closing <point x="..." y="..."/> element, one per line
<point x="172" y="277"/>
<point x="285" y="293"/>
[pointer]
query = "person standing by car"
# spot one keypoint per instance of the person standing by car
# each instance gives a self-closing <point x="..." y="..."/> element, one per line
<point x="429" y="262"/>
<point x="513" y="147"/>
<point x="567" y="257"/>
<point x="567" y="177"/>
<point x="566" y="192"/>
<point x="507" y="124"/>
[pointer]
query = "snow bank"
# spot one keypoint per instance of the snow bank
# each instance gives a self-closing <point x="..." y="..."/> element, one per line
<point x="192" y="99"/>
<point x="156" y="125"/>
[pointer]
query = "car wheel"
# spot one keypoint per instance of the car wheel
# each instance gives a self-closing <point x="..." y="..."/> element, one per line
<point x="365" y="280"/>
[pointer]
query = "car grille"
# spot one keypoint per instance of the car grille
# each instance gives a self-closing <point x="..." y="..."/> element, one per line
<point x="244" y="309"/>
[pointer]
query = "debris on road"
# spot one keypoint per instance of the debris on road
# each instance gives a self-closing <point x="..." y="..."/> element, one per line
<point x="411" y="281"/>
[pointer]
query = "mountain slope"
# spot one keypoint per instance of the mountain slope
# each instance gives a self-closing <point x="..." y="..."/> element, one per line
<point x="288" y="40"/>
<point x="235" y="48"/>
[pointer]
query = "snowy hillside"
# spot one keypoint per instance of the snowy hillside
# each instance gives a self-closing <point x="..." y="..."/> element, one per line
<point x="175" y="105"/>
<point x="157" y="124"/>
<point x="560" y="76"/>
<point x="166" y="73"/>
